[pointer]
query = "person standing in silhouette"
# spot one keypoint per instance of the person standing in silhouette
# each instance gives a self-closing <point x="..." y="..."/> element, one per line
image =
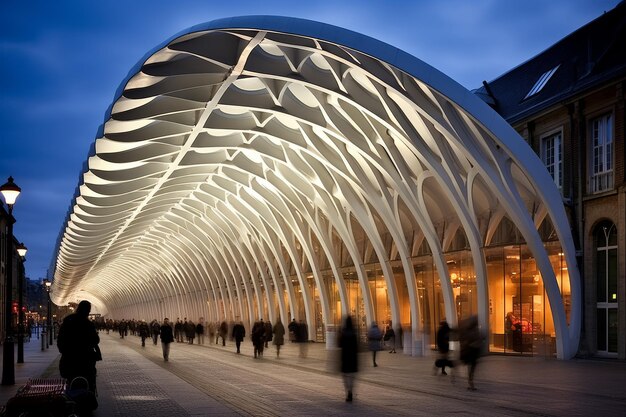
<point x="78" y="343"/>
<point x="349" y="356"/>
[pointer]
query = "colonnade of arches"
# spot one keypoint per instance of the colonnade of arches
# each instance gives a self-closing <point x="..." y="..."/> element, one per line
<point x="246" y="164"/>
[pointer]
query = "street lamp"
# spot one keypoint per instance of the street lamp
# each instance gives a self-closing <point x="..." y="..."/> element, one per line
<point x="21" y="250"/>
<point x="48" y="284"/>
<point x="9" y="191"/>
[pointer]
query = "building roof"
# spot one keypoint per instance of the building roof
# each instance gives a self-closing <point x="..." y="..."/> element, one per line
<point x="588" y="57"/>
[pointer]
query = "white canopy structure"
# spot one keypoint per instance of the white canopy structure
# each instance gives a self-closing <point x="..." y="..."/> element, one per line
<point x="248" y="164"/>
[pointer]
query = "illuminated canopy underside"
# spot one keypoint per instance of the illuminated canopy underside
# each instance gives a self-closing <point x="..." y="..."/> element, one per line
<point x="251" y="150"/>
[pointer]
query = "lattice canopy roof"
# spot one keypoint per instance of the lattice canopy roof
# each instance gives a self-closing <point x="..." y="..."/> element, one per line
<point x="247" y="150"/>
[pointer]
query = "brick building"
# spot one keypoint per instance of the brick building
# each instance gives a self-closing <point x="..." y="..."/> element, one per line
<point x="568" y="103"/>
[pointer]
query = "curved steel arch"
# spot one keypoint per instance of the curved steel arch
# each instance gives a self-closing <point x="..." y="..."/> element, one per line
<point x="239" y="148"/>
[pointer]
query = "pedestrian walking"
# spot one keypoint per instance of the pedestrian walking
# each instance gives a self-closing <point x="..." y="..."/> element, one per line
<point x="167" y="337"/>
<point x="390" y="338"/>
<point x="268" y="332"/>
<point x="471" y="347"/>
<point x="200" y="331"/>
<point x="374" y="337"/>
<point x="144" y="332"/>
<point x="258" y="338"/>
<point x="222" y="332"/>
<point x="155" y="328"/>
<point x="279" y="336"/>
<point x="293" y="331"/>
<point x="443" y="347"/>
<point x="239" y="332"/>
<point x="349" y="356"/>
<point x="303" y="338"/>
<point x="190" y="331"/>
<point x="178" y="330"/>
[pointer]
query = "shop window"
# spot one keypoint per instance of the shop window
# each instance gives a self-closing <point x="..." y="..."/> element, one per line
<point x="601" y="154"/>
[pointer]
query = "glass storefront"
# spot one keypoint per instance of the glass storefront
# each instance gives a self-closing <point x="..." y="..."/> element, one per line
<point x="520" y="318"/>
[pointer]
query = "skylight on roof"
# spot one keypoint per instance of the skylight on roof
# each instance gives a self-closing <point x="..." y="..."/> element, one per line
<point x="541" y="82"/>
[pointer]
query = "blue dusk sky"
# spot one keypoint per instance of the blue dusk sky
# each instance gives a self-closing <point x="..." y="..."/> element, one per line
<point x="62" y="61"/>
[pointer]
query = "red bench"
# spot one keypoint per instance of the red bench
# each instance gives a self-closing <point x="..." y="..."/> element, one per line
<point x="41" y="396"/>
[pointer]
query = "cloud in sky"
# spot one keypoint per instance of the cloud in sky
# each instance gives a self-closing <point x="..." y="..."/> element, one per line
<point x="61" y="63"/>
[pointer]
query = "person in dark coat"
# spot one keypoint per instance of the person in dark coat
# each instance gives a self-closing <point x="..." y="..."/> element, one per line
<point x="144" y="332"/>
<point x="374" y="337"/>
<point x="78" y="343"/>
<point x="239" y="332"/>
<point x="222" y="332"/>
<point x="155" y="328"/>
<point x="190" y="331"/>
<point x="268" y="333"/>
<point x="443" y="346"/>
<point x="258" y="338"/>
<point x="293" y="331"/>
<point x="279" y="336"/>
<point x="349" y="356"/>
<point x="167" y="337"/>
<point x="390" y="338"/>
<point x="178" y="330"/>
<point x="200" y="332"/>
<point x="471" y="347"/>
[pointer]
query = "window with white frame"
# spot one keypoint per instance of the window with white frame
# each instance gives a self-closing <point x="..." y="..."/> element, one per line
<point x="601" y="164"/>
<point x="552" y="156"/>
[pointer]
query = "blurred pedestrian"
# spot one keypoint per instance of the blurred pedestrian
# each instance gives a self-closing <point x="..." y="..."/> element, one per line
<point x="293" y="331"/>
<point x="258" y="338"/>
<point x="167" y="337"/>
<point x="374" y="337"/>
<point x="443" y="347"/>
<point x="155" y="328"/>
<point x="200" y="331"/>
<point x="349" y="356"/>
<point x="303" y="338"/>
<point x="390" y="338"/>
<point x="279" y="336"/>
<point x="239" y="332"/>
<point x="222" y="332"/>
<point x="190" y="331"/>
<point x="123" y="328"/>
<point x="268" y="333"/>
<point x="178" y="330"/>
<point x="471" y="347"/>
<point x="144" y="332"/>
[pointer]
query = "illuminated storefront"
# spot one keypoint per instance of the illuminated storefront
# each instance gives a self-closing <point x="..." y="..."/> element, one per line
<point x="280" y="168"/>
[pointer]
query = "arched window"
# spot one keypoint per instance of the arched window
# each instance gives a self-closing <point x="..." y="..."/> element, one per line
<point x="605" y="271"/>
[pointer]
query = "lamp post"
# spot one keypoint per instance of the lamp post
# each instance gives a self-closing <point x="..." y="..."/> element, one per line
<point x="9" y="191"/>
<point x="21" y="250"/>
<point x="48" y="284"/>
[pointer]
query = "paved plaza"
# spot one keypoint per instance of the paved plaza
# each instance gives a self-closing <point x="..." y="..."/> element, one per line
<point x="212" y="380"/>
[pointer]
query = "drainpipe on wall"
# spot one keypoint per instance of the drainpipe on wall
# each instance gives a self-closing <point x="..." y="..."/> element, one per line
<point x="578" y="116"/>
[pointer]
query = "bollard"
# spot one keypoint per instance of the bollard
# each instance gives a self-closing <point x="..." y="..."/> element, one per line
<point x="43" y="340"/>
